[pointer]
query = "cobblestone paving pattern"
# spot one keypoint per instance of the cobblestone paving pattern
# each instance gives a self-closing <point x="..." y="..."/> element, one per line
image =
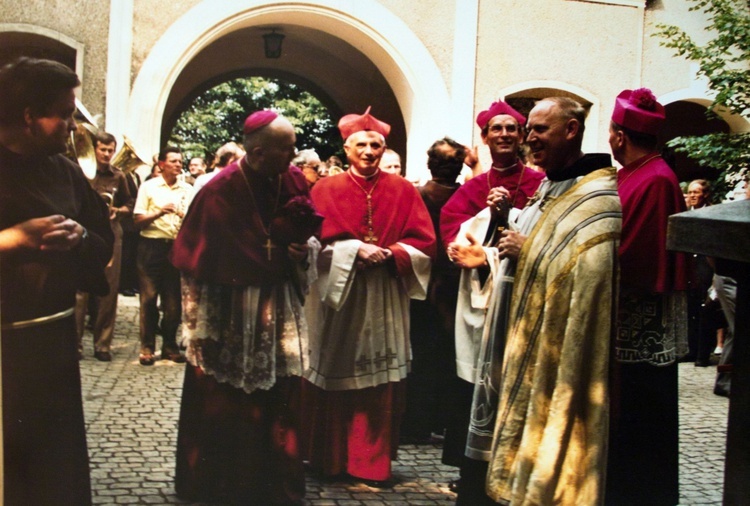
<point x="131" y="420"/>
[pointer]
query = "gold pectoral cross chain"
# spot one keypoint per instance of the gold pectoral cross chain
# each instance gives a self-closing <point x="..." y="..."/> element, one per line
<point x="370" y="238"/>
<point x="269" y="245"/>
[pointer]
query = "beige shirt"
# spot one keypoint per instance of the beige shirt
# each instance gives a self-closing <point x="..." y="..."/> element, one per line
<point x="153" y="195"/>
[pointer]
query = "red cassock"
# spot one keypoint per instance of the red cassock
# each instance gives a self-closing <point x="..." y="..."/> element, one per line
<point x="353" y="427"/>
<point x="471" y="197"/>
<point x="643" y="445"/>
<point x="399" y="214"/>
<point x="650" y="194"/>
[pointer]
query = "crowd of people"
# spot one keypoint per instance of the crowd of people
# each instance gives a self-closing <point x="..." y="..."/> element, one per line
<point x="531" y="318"/>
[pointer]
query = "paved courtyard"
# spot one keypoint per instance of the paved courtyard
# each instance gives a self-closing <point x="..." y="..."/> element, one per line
<point x="131" y="418"/>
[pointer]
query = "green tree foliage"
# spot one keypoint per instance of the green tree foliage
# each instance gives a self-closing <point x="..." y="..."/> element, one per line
<point x="217" y="115"/>
<point x="725" y="62"/>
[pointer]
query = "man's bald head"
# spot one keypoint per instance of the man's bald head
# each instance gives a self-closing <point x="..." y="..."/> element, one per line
<point x="270" y="148"/>
<point x="555" y="136"/>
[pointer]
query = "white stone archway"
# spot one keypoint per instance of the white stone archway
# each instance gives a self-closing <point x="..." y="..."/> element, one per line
<point x="385" y="39"/>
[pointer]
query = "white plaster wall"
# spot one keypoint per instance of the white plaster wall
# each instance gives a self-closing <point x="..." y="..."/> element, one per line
<point x="590" y="49"/>
<point x="662" y="70"/>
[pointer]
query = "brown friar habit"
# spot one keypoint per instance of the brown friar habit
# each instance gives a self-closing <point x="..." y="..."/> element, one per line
<point x="46" y="461"/>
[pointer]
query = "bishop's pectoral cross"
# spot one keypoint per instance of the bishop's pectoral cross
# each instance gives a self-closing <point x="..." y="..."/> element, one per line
<point x="370" y="237"/>
<point x="269" y="245"/>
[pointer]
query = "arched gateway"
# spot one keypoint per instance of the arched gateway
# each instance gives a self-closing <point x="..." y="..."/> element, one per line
<point x="351" y="54"/>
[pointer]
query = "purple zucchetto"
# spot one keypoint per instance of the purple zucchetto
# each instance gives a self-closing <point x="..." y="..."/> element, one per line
<point x="639" y="111"/>
<point x="258" y="120"/>
<point x="496" y="109"/>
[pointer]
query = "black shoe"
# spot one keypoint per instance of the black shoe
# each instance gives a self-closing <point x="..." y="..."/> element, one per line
<point x="702" y="363"/>
<point x="453" y="485"/>
<point x="128" y="292"/>
<point x="146" y="359"/>
<point x="174" y="356"/>
<point x="721" y="392"/>
<point x="390" y="483"/>
<point x="103" y="356"/>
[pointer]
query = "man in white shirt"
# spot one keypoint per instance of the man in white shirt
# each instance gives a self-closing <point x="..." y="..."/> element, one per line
<point x="159" y="209"/>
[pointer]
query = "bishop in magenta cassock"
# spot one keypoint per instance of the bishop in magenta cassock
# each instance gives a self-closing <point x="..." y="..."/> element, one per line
<point x="378" y="244"/>
<point x="643" y="457"/>
<point x="510" y="180"/>
<point x="241" y="251"/>
<point x="502" y="132"/>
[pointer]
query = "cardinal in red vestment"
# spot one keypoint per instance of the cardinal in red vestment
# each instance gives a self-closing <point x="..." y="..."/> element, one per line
<point x="378" y="244"/>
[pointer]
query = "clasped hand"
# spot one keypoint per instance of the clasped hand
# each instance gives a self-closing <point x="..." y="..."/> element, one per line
<point x="370" y="255"/>
<point x="498" y="198"/>
<point x="510" y="244"/>
<point x="170" y="209"/>
<point x="298" y="251"/>
<point x="49" y="233"/>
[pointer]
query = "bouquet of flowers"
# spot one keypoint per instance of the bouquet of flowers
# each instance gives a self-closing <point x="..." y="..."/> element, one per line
<point x="296" y="221"/>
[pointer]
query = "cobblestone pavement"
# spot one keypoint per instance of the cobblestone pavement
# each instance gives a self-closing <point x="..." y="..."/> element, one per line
<point x="131" y="420"/>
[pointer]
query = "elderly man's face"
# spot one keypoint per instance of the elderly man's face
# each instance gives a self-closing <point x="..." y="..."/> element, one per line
<point x="278" y="151"/>
<point x="196" y="167"/>
<point x="503" y="137"/>
<point x="311" y="175"/>
<point x="364" y="150"/>
<point x="548" y="137"/>
<point x="391" y="163"/>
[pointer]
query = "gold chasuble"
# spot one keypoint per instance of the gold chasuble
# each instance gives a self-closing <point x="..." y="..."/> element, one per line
<point x="550" y="437"/>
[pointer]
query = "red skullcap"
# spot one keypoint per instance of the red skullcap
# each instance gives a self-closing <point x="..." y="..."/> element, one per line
<point x="258" y="120"/>
<point x="639" y="111"/>
<point x="352" y="123"/>
<point x="496" y="109"/>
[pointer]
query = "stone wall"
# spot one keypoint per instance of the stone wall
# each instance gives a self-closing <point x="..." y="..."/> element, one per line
<point x="85" y="22"/>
